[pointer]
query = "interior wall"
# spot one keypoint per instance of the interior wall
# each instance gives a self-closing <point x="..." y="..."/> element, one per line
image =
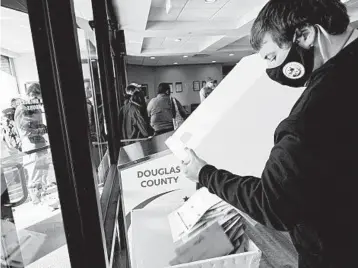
<point x="8" y="89"/>
<point x="26" y="70"/>
<point x="142" y="75"/>
<point x="186" y="74"/>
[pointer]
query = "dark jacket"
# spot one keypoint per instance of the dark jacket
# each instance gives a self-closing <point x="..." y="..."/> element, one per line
<point x="309" y="186"/>
<point x="134" y="124"/>
<point x="91" y="120"/>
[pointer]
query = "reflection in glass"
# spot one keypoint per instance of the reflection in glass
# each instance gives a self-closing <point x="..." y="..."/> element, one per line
<point x="94" y="103"/>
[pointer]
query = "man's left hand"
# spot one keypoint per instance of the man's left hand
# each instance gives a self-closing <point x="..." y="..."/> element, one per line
<point x="192" y="167"/>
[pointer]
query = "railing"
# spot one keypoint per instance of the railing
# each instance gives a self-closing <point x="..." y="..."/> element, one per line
<point x="136" y="140"/>
<point x="12" y="164"/>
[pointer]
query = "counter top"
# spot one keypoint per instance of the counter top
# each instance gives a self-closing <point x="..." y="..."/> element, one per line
<point x="143" y="150"/>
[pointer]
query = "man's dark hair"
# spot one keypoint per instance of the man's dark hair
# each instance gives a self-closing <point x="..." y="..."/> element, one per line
<point x="34" y="89"/>
<point x="281" y="18"/>
<point x="163" y="88"/>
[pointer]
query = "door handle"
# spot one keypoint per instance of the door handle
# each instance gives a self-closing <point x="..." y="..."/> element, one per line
<point x="24" y="189"/>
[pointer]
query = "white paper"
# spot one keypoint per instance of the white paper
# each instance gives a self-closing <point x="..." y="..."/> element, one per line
<point x="233" y="129"/>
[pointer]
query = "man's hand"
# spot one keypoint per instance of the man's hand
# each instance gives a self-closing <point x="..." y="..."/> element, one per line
<point x="192" y="167"/>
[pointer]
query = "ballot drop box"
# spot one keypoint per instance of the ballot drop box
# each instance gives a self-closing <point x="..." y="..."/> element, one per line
<point x="152" y="244"/>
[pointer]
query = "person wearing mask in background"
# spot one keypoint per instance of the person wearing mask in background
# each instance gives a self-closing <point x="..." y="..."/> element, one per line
<point x="29" y="125"/>
<point x="162" y="109"/>
<point x="309" y="184"/>
<point x="134" y="123"/>
<point x="139" y="94"/>
<point x="206" y="90"/>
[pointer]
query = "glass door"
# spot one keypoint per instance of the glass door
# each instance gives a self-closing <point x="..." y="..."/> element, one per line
<point x="32" y="231"/>
<point x="54" y="160"/>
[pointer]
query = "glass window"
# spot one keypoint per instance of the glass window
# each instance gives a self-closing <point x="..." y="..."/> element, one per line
<point x="5" y="64"/>
<point x="94" y="99"/>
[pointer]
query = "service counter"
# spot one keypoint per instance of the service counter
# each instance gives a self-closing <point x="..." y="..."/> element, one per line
<point x="143" y="150"/>
<point x="151" y="177"/>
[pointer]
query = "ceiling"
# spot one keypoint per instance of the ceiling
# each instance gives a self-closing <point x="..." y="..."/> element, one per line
<point x="167" y="32"/>
<point x="16" y="38"/>
<point x="159" y="32"/>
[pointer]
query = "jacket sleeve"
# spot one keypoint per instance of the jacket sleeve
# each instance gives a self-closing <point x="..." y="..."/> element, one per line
<point x="277" y="198"/>
<point x="141" y="123"/>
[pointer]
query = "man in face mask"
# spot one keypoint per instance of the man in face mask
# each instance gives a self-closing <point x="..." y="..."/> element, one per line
<point x="309" y="184"/>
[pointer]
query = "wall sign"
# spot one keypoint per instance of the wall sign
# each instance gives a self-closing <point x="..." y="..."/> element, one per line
<point x="196" y="85"/>
<point x="178" y="87"/>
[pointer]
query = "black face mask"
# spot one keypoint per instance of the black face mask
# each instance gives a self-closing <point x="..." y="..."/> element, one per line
<point x="296" y="68"/>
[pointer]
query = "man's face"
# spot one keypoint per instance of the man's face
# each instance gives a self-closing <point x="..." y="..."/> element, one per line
<point x="272" y="53"/>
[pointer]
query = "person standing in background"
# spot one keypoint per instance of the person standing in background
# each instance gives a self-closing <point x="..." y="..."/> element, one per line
<point x="207" y="89"/>
<point x="8" y="130"/>
<point x="29" y="125"/>
<point x="163" y="110"/>
<point x="90" y="109"/>
<point x="133" y="120"/>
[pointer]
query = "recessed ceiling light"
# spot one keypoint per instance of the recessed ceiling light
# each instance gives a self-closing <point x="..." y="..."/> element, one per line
<point x="185" y="56"/>
<point x="152" y="58"/>
<point x="231" y="54"/>
<point x="213" y="61"/>
<point x="177" y="40"/>
<point x="175" y="63"/>
<point x="210" y="1"/>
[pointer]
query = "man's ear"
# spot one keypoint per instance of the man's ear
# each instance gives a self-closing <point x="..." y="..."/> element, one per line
<point x="306" y="36"/>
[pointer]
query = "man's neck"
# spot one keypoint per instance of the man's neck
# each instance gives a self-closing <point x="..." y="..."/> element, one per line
<point x="329" y="46"/>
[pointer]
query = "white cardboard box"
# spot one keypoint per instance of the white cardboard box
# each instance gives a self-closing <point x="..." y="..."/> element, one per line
<point x="152" y="244"/>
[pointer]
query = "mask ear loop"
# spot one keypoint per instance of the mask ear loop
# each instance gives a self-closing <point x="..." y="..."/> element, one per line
<point x="295" y="39"/>
<point x="321" y="47"/>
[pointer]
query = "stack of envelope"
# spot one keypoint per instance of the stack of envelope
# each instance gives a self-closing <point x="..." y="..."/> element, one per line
<point x="206" y="227"/>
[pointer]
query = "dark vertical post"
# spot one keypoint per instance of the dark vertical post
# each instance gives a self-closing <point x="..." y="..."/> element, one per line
<point x="59" y="67"/>
<point x="110" y="101"/>
<point x="119" y="48"/>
